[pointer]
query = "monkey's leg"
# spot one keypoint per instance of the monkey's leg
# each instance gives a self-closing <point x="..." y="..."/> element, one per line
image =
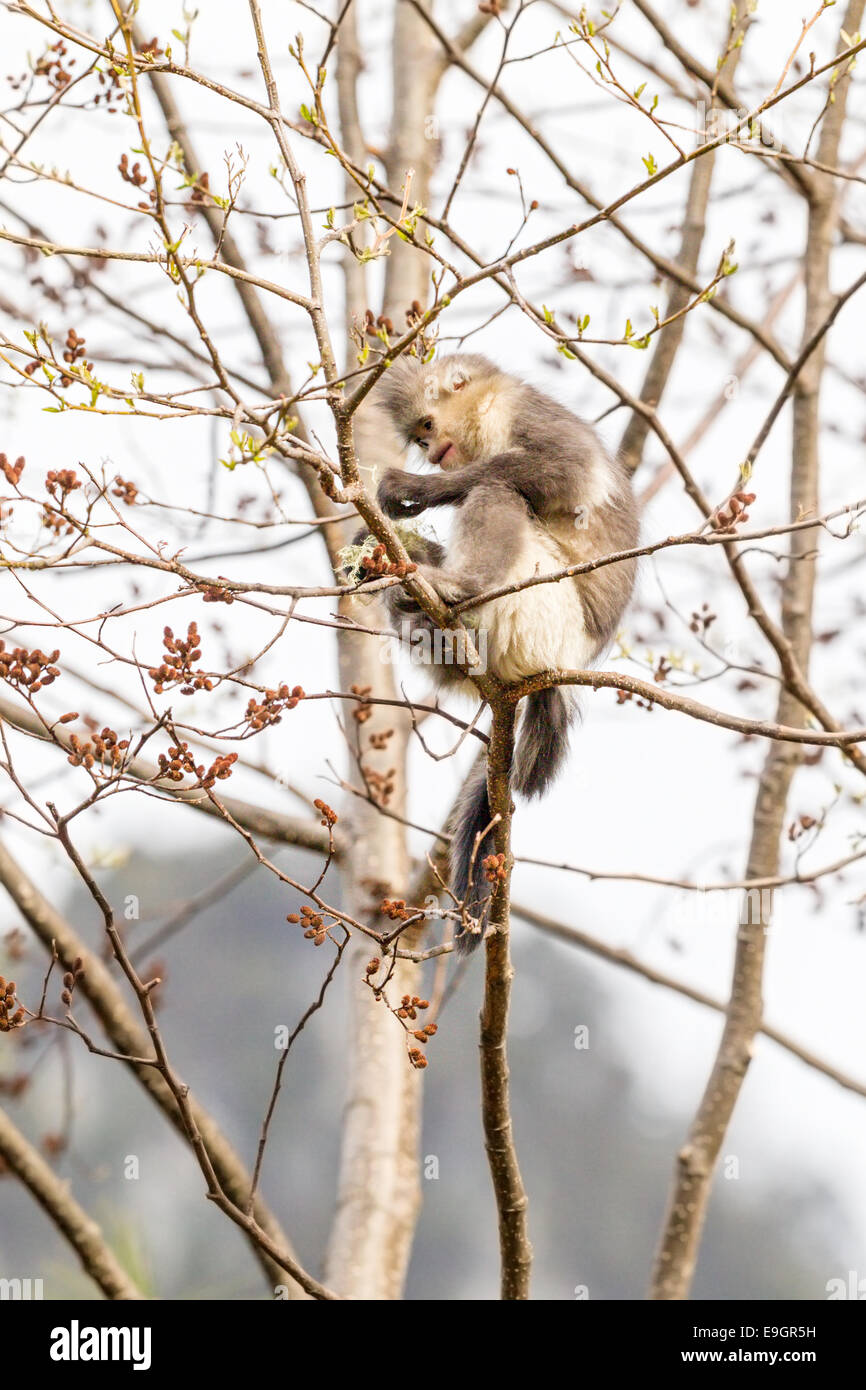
<point x="491" y="527"/>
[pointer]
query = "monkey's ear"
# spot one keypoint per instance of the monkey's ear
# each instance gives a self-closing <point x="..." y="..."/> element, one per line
<point x="456" y="372"/>
<point x="399" y="390"/>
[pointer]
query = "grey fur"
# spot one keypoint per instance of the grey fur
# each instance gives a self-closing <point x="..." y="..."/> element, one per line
<point x="472" y="817"/>
<point x="551" y="490"/>
<point x="543" y="745"/>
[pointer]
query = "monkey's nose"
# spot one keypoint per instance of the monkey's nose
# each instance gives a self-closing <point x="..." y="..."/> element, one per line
<point x="438" y="458"/>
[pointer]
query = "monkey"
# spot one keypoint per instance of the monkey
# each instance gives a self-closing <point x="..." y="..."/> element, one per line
<point x="535" y="492"/>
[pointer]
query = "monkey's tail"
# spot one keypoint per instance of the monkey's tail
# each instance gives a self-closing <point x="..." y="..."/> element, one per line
<point x="541" y="750"/>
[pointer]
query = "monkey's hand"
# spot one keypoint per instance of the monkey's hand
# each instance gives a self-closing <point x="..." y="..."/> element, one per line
<point x="402" y="494"/>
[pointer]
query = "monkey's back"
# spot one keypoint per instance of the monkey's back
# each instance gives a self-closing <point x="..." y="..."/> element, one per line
<point x="586" y="511"/>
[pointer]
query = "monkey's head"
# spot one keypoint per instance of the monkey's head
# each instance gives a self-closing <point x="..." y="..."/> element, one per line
<point x="457" y="409"/>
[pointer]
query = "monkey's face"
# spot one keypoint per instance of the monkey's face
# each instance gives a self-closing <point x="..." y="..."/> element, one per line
<point x="440" y="436"/>
<point x="456" y="410"/>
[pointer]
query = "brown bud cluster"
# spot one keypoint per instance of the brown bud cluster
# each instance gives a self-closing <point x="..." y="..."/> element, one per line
<point x="125" y="490"/>
<point x="135" y="175"/>
<point x="201" y="192"/>
<point x="177" y="664"/>
<point x="329" y="817"/>
<point x="380" y="784"/>
<point x="624" y="696"/>
<point x="216" y="593"/>
<point x="56" y="523"/>
<point x="28" y="671"/>
<point x="12" y="471"/>
<point x="409" y="1006"/>
<point x="151" y="49"/>
<point x="702" y="622"/>
<point x="313" y="923"/>
<point x="380" y="741"/>
<point x="364" y="710"/>
<point x="11" y="1013"/>
<point x="728" y="518"/>
<point x="74" y="348"/>
<point x="414" y="312"/>
<point x="60" y="482"/>
<point x="662" y="671"/>
<point x="800" y="826"/>
<point x="494" y="867"/>
<point x="70" y="980"/>
<point x="180" y="763"/>
<point x="395" y="909"/>
<point x="54" y="65"/>
<point x="110" y="89"/>
<point x="104" y="748"/>
<point x="219" y="770"/>
<point x="260" y="714"/>
<point x="375" y="327"/>
<point x="376" y="565"/>
<point x="73" y="352"/>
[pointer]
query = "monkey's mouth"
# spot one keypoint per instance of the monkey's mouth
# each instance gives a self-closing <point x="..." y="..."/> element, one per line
<point x="438" y="459"/>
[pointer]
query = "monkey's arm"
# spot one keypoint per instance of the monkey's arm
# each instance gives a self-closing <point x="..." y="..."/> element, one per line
<point x="489" y="531"/>
<point x="548" y="484"/>
<point x="402" y="494"/>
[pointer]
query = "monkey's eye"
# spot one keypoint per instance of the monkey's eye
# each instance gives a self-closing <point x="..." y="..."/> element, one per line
<point x="427" y="424"/>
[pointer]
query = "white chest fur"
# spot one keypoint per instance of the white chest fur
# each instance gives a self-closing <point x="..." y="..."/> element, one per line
<point x="539" y="628"/>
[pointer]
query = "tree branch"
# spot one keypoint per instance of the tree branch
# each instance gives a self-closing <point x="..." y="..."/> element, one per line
<point x="54" y="1197"/>
<point x="511" y="1199"/>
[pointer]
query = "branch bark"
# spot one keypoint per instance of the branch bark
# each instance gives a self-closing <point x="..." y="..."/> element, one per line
<point x="72" y="1221"/>
<point x="379" y="1191"/>
<point x="511" y="1199"/>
